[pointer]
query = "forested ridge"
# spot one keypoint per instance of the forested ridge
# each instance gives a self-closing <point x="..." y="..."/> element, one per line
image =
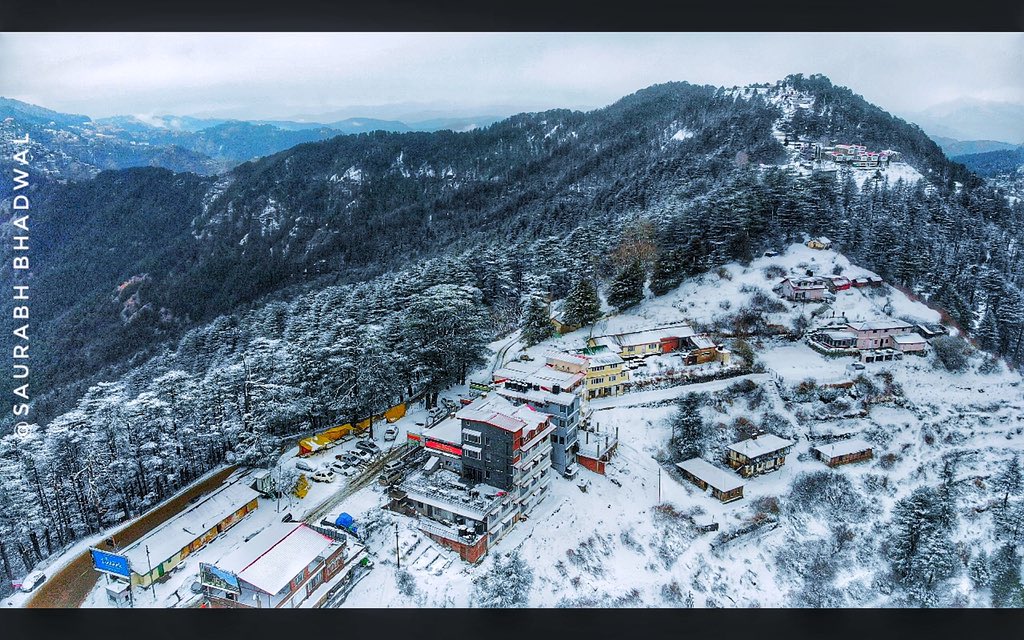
<point x="327" y="281"/>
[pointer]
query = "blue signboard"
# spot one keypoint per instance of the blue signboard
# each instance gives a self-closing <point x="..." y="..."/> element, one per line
<point x="211" y="576"/>
<point x="110" y="563"/>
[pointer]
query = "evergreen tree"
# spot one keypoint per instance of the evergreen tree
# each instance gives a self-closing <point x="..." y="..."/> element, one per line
<point x="627" y="289"/>
<point x="666" y="274"/>
<point x="537" y="325"/>
<point x="1007" y="591"/>
<point x="582" y="307"/>
<point x="1009" y="480"/>
<point x="691" y="434"/>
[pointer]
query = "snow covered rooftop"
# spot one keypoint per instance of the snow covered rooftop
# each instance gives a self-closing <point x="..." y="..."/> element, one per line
<point x="276" y="555"/>
<point x="761" y="445"/>
<point x="448" y="430"/>
<point x="538" y="396"/>
<point x="177" y="533"/>
<point x="604" y="359"/>
<point x="909" y="338"/>
<point x="879" y="325"/>
<point x="647" y="336"/>
<point x="842" y="448"/>
<point x="840" y="335"/>
<point x="718" y="478"/>
<point x="499" y="412"/>
<point x="446" y="490"/>
<point x="702" y="342"/>
<point x="805" y="283"/>
<point x="540" y="375"/>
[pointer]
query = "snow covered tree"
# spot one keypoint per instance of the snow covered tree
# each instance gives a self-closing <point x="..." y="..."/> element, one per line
<point x="920" y="547"/>
<point x="666" y="274"/>
<point x="627" y="289"/>
<point x="988" y="332"/>
<point x="505" y="585"/>
<point x="1009" y="480"/>
<point x="537" y="325"/>
<point x="691" y="434"/>
<point x="582" y="307"/>
<point x="445" y="331"/>
<point x="1007" y="591"/>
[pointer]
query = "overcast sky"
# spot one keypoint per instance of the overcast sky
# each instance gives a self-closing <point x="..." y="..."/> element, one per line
<point x="263" y="76"/>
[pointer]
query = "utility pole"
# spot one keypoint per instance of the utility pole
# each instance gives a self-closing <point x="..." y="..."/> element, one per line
<point x="398" y="555"/>
<point x="152" y="582"/>
<point x="659" y="484"/>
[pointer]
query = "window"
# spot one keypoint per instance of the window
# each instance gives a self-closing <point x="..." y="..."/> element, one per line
<point x="471" y="437"/>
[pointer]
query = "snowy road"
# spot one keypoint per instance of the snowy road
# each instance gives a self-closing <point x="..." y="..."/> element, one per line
<point x="671" y="393"/>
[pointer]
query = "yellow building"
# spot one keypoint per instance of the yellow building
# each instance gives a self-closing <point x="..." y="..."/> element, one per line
<point x="605" y="375"/>
<point x="820" y="243"/>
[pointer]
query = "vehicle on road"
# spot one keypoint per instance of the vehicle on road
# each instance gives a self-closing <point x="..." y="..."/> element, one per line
<point x="391" y="433"/>
<point x="394" y="465"/>
<point x="323" y="476"/>
<point x="33" y="580"/>
<point x="369" y="448"/>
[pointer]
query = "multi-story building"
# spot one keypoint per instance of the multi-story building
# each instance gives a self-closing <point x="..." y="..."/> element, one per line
<point x="878" y="334"/>
<point x="506" y="457"/>
<point x="564" y="409"/>
<point x="803" y="289"/>
<point x="604" y="371"/>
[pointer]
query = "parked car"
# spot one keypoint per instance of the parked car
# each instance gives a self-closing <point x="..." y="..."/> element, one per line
<point x="33" y="580"/>
<point x="351" y="460"/>
<point x="391" y="433"/>
<point x="362" y="454"/>
<point x="324" y="476"/>
<point x="393" y="466"/>
<point x="344" y="469"/>
<point x="306" y="465"/>
<point x="369" y="447"/>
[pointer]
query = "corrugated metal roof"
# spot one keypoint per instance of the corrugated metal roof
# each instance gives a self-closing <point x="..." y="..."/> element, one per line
<point x="764" y="444"/>
<point x="276" y="555"/>
<point x="718" y="478"/>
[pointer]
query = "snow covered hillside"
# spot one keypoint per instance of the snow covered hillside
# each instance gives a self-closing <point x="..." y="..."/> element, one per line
<point x="921" y="523"/>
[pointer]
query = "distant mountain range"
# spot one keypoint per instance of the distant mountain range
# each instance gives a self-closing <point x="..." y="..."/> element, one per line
<point x="969" y="119"/>
<point x="76" y="147"/>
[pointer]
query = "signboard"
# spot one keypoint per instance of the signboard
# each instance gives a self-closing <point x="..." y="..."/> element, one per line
<point x="447" y="448"/>
<point x="111" y="563"/>
<point x="211" y="576"/>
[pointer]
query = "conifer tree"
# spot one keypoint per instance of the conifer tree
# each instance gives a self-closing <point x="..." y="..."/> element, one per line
<point x="537" y="325"/>
<point x="627" y="289"/>
<point x="582" y="307"/>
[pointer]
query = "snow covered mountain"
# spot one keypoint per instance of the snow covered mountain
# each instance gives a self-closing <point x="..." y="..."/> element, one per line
<point x="213" y="315"/>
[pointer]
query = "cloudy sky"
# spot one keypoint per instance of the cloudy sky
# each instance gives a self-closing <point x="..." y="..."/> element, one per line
<point x="263" y="76"/>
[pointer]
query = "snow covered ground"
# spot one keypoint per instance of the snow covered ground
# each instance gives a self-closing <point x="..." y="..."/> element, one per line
<point x="618" y="544"/>
<point x="628" y="540"/>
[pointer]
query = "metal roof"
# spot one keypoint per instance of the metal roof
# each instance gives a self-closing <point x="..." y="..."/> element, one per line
<point x="718" y="478"/>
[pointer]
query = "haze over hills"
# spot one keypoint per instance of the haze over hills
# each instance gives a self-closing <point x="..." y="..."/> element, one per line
<point x="68" y="146"/>
<point x="973" y="119"/>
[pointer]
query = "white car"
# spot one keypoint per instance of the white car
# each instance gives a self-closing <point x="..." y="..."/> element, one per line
<point x="391" y="433"/>
<point x="32" y="581"/>
<point x="344" y="469"/>
<point x="323" y="476"/>
<point x="306" y="465"/>
<point x="363" y="455"/>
